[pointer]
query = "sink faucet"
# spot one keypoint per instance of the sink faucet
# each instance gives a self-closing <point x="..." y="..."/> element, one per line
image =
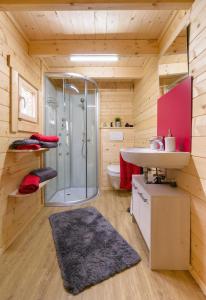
<point x="156" y="143"/>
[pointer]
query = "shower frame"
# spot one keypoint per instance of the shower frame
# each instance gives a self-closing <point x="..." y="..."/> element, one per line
<point x="70" y="75"/>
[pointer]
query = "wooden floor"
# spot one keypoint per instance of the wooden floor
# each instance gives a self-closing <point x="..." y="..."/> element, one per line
<point x="29" y="270"/>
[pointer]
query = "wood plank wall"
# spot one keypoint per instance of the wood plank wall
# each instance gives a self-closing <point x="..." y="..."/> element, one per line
<point x="116" y="100"/>
<point x="15" y="214"/>
<point x="193" y="177"/>
<point x="146" y="93"/>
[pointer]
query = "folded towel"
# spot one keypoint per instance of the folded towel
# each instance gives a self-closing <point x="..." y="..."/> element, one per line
<point x="45" y="138"/>
<point x="48" y="145"/>
<point x="29" y="184"/>
<point x="126" y="172"/>
<point x="28" y="147"/>
<point x="44" y="173"/>
<point x="24" y="142"/>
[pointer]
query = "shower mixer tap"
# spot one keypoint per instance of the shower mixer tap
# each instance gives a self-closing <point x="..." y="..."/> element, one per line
<point x="82" y="100"/>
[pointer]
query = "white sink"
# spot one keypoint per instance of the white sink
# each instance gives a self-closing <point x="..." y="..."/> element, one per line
<point x="145" y="157"/>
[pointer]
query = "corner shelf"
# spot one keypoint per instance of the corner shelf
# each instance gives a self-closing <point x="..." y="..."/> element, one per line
<point x="16" y="193"/>
<point x="41" y="150"/>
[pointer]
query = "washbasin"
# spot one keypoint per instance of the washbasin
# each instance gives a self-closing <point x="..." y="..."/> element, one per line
<point x="145" y="157"/>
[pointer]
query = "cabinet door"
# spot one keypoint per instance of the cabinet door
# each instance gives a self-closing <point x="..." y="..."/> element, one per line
<point x="135" y="204"/>
<point x="145" y="218"/>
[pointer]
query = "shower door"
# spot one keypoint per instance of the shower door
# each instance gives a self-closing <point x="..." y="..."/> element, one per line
<point x="75" y="123"/>
<point x="91" y="125"/>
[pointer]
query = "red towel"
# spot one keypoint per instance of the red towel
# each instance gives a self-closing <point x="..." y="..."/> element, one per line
<point x="126" y="172"/>
<point x="45" y="138"/>
<point x="29" y="184"/>
<point x="28" y="147"/>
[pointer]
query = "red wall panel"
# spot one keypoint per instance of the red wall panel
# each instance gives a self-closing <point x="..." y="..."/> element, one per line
<point x="174" y="111"/>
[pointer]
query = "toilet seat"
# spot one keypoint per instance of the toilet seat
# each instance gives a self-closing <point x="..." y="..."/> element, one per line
<point x="114" y="170"/>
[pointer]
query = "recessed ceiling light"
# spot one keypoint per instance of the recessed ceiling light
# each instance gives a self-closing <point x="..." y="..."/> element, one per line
<point x="94" y="57"/>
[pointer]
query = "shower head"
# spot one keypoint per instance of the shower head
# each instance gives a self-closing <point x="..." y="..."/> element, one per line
<point x="72" y="87"/>
<point x="82" y="100"/>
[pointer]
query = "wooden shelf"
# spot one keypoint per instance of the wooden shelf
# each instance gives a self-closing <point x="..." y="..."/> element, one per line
<point x="116" y="128"/>
<point x="28" y="151"/>
<point x="16" y="193"/>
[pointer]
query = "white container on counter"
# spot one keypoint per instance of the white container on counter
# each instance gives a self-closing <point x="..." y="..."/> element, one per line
<point x="170" y="144"/>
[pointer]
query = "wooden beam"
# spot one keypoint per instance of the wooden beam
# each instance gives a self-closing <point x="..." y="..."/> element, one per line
<point x="171" y="59"/>
<point x="179" y="46"/>
<point x="103" y="72"/>
<point x="174" y="28"/>
<point x="173" y="69"/>
<point x="67" y="47"/>
<point x="45" y="5"/>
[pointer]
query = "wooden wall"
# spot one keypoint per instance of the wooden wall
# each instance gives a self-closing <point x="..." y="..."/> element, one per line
<point x="146" y="93"/>
<point x="14" y="213"/>
<point x="193" y="178"/>
<point x="116" y="100"/>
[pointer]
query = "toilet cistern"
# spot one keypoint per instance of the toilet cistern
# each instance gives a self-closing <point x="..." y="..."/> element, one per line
<point x="156" y="143"/>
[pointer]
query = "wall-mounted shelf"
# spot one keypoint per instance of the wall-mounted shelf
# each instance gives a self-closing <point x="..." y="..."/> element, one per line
<point x="16" y="193"/>
<point x="119" y="128"/>
<point x="28" y="151"/>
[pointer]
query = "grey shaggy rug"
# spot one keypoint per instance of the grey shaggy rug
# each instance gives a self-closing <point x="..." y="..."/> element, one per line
<point x="89" y="249"/>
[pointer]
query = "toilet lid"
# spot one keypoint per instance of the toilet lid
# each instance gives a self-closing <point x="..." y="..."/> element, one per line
<point x="114" y="168"/>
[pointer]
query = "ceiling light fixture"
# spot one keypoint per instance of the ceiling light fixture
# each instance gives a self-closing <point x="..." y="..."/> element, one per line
<point x="94" y="57"/>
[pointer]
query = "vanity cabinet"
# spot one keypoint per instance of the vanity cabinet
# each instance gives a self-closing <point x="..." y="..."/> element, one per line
<point x="162" y="214"/>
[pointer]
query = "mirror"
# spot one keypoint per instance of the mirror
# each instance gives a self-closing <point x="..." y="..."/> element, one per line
<point x="173" y="66"/>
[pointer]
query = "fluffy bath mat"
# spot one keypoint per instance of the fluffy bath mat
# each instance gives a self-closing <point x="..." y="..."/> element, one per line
<point x="88" y="248"/>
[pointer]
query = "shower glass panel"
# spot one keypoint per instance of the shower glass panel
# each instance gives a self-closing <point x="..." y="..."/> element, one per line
<point x="92" y="174"/>
<point x="71" y="112"/>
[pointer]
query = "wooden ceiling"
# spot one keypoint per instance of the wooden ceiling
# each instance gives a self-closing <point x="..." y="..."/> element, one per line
<point x="126" y="24"/>
<point x="133" y="34"/>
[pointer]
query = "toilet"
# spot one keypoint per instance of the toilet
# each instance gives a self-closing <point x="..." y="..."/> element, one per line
<point x="113" y="172"/>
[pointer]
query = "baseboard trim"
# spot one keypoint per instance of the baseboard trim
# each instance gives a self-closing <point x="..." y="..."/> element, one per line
<point x="199" y="281"/>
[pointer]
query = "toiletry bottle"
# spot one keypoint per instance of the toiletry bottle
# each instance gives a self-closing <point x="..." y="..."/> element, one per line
<point x="170" y="142"/>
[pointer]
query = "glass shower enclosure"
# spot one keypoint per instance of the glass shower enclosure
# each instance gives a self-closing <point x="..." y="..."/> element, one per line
<point x="71" y="112"/>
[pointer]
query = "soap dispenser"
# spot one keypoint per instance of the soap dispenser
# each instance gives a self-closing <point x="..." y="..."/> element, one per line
<point x="170" y="142"/>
